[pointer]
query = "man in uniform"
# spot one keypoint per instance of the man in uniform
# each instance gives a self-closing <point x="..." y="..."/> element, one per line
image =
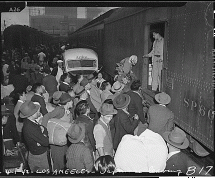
<point x="157" y="59"/>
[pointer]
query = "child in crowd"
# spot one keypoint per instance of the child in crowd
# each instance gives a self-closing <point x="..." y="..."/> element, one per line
<point x="105" y="164"/>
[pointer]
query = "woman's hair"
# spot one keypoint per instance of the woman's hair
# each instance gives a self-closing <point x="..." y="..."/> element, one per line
<point x="135" y="85"/>
<point x="104" y="85"/>
<point x="81" y="107"/>
<point x="105" y="164"/>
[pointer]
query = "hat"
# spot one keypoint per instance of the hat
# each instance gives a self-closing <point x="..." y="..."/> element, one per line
<point x="65" y="98"/>
<point x="121" y="101"/>
<point x="162" y="98"/>
<point x="58" y="61"/>
<point x="84" y="82"/>
<point x="90" y="77"/>
<point x="76" y="132"/>
<point x="117" y="86"/>
<point x="107" y="109"/>
<point x="199" y="150"/>
<point x="28" y="108"/>
<point x="4" y="110"/>
<point x="176" y="138"/>
<point x="56" y="96"/>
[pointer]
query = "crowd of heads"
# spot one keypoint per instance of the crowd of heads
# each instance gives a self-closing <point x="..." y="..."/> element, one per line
<point x="84" y="95"/>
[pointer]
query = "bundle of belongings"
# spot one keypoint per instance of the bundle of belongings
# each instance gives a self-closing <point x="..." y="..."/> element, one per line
<point x="124" y="70"/>
<point x="57" y="130"/>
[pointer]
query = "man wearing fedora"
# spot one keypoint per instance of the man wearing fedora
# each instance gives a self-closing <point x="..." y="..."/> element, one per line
<point x="123" y="121"/>
<point x="160" y="118"/>
<point x="95" y="93"/>
<point x="176" y="141"/>
<point x="102" y="133"/>
<point x="78" y="156"/>
<point x="62" y="112"/>
<point x="35" y="136"/>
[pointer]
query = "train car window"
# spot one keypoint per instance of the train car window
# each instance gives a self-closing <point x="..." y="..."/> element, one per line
<point x="159" y="27"/>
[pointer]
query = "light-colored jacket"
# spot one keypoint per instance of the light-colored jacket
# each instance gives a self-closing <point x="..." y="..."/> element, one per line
<point x="95" y="96"/>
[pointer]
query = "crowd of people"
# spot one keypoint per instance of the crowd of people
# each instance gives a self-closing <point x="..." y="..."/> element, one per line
<point x="86" y="122"/>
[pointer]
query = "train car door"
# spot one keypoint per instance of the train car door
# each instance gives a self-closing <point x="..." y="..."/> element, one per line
<point x="161" y="28"/>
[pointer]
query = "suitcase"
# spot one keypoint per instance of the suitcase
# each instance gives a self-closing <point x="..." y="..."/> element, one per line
<point x="14" y="160"/>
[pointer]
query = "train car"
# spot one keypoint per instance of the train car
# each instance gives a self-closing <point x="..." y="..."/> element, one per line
<point x="91" y="35"/>
<point x="187" y="75"/>
<point x="16" y="36"/>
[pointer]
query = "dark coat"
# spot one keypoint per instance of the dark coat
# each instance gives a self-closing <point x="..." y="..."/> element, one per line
<point x="50" y="84"/>
<point x="20" y="83"/>
<point x="39" y="77"/>
<point x="54" y="71"/>
<point x="121" y="125"/>
<point x="178" y="161"/>
<point x="40" y="99"/>
<point x="135" y="106"/>
<point x="89" y="130"/>
<point x="33" y="135"/>
<point x="160" y="119"/>
<point x="10" y="130"/>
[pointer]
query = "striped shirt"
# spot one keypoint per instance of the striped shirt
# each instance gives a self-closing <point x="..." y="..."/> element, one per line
<point x="79" y="157"/>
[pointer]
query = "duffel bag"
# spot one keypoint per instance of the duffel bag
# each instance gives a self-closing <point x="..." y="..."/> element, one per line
<point x="57" y="130"/>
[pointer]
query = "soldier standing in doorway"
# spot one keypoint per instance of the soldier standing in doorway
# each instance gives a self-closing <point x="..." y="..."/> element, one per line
<point x="157" y="59"/>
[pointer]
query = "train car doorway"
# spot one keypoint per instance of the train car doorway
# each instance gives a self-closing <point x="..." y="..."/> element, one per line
<point x="159" y="27"/>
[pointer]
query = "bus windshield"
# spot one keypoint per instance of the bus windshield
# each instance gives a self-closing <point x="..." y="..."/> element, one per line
<point x="81" y="63"/>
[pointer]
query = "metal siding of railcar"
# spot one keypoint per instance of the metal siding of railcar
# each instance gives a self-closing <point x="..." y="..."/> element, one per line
<point x="113" y="54"/>
<point x="89" y="38"/>
<point x="117" y="40"/>
<point x="125" y="37"/>
<point x="189" y="73"/>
